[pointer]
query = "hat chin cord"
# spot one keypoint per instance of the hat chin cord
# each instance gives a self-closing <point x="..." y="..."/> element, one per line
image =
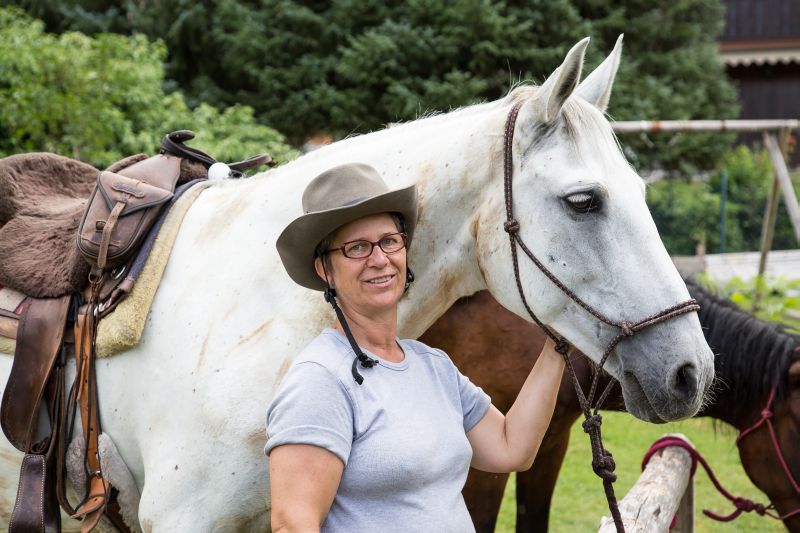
<point x="366" y="361"/>
<point x="330" y="297"/>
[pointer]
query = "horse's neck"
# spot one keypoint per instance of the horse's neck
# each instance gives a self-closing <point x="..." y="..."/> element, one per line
<point x="452" y="159"/>
<point x="745" y="376"/>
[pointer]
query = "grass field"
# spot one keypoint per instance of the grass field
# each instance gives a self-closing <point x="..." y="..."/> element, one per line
<point x="579" y="501"/>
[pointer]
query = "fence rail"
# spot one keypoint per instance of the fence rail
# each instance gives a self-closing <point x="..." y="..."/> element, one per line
<point x="665" y="489"/>
<point x="652" y="126"/>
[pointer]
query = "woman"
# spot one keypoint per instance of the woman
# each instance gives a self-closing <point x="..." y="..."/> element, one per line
<point x="368" y="432"/>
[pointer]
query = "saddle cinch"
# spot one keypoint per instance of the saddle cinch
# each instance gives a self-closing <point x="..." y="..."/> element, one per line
<point x="42" y="197"/>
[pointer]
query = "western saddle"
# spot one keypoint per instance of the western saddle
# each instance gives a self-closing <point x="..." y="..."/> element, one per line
<point x="118" y="225"/>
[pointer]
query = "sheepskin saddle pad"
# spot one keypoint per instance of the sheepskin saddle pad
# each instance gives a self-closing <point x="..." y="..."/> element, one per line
<point x="121" y="329"/>
<point x="42" y="199"/>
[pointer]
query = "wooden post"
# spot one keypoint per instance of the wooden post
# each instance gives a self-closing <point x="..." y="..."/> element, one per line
<point x="782" y="176"/>
<point x="767" y="233"/>
<point x="685" y="523"/>
<point x="777" y="156"/>
<point x="663" y="489"/>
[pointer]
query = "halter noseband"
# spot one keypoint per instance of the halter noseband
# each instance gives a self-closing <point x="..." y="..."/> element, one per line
<point x="602" y="461"/>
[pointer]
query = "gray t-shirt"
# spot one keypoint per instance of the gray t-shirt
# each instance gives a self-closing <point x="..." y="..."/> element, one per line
<point x="401" y="435"/>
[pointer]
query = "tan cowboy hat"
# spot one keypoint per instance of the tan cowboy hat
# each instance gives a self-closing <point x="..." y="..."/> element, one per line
<point x="332" y="199"/>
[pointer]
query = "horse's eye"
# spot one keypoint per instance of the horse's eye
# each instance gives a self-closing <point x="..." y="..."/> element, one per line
<point x="583" y="202"/>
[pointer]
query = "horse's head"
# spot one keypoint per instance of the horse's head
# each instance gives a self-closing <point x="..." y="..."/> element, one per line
<point x="581" y="210"/>
<point x="771" y="456"/>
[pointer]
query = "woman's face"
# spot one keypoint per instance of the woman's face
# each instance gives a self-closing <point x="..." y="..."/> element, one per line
<point x="375" y="283"/>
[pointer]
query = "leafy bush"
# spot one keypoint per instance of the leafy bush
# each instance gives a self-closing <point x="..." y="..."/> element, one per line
<point x="100" y="98"/>
<point x="688" y="213"/>
<point x="779" y="299"/>
<point x="685" y="213"/>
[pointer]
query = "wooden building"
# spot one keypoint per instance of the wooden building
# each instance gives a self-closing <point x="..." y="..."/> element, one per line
<point x="760" y="46"/>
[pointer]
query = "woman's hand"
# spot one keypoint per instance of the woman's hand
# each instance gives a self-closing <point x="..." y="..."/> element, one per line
<point x="509" y="443"/>
<point x="303" y="482"/>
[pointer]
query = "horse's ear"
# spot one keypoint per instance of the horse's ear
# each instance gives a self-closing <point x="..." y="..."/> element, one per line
<point x="596" y="88"/>
<point x="551" y="96"/>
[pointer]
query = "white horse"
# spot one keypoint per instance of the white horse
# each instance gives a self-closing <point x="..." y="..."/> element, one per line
<point x="186" y="406"/>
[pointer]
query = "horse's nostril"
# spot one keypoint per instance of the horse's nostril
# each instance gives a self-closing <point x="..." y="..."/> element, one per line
<point x="684" y="382"/>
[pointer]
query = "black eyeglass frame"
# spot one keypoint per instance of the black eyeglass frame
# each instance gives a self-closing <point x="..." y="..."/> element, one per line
<point x="372" y="245"/>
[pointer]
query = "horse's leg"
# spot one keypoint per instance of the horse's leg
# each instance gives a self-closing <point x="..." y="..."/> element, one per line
<point x="535" y="487"/>
<point x="483" y="494"/>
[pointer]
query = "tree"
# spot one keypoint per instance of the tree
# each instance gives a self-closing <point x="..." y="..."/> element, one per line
<point x="686" y="213"/>
<point x="100" y="98"/>
<point x="671" y="70"/>
<point x="316" y="66"/>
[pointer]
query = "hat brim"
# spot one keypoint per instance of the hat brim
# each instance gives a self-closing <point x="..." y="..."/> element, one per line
<point x="297" y="243"/>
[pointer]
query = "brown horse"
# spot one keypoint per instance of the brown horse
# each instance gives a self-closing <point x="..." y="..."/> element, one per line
<point x="496" y="349"/>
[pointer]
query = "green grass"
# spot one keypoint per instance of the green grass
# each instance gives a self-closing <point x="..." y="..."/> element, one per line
<point x="579" y="500"/>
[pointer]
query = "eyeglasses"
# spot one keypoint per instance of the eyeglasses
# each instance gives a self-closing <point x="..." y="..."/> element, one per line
<point x="361" y="249"/>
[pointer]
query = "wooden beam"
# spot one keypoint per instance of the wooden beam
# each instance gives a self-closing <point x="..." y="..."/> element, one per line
<point x="785" y="181"/>
<point x="653" y="126"/>
<point x="653" y="501"/>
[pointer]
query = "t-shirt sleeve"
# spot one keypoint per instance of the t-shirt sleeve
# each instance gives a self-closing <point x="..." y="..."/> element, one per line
<point x="311" y="407"/>
<point x="474" y="402"/>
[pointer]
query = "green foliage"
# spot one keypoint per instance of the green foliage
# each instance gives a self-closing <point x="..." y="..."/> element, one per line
<point x="685" y="214"/>
<point x="100" y="98"/>
<point x="311" y="66"/>
<point x="671" y="70"/>
<point x="778" y="301"/>
<point x="750" y="177"/>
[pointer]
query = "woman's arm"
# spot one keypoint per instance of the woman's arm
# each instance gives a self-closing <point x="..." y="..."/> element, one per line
<point x="509" y="443"/>
<point x="303" y="482"/>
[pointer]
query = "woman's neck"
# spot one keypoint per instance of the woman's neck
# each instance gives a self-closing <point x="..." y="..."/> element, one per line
<point x="376" y="333"/>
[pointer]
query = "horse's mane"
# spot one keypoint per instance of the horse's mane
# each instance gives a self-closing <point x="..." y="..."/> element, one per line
<point x="751" y="355"/>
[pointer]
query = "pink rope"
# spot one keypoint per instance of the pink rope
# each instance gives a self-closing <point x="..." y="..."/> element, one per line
<point x="742" y="505"/>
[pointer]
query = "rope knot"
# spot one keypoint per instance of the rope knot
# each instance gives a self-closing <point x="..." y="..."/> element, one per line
<point x="604" y="467"/>
<point x="766" y="413"/>
<point x="747" y="506"/>
<point x="627" y="328"/>
<point x="511" y="225"/>
<point x="562" y="346"/>
<point x="592" y="422"/>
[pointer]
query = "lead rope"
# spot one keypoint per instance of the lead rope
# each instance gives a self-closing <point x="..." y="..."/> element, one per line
<point x="602" y="461"/>
<point x="741" y="505"/>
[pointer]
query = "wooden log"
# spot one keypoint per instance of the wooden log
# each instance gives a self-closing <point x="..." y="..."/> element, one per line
<point x="653" y="126"/>
<point x="653" y="501"/>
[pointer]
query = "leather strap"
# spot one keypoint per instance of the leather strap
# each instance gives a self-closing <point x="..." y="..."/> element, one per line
<point x="35" y="508"/>
<point x="98" y="489"/>
<point x="39" y="339"/>
<point x="108" y="228"/>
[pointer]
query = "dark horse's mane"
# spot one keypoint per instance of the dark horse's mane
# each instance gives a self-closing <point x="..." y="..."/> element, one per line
<point x="751" y="355"/>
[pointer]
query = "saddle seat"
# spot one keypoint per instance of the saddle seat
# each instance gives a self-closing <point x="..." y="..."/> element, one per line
<point x="42" y="199"/>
